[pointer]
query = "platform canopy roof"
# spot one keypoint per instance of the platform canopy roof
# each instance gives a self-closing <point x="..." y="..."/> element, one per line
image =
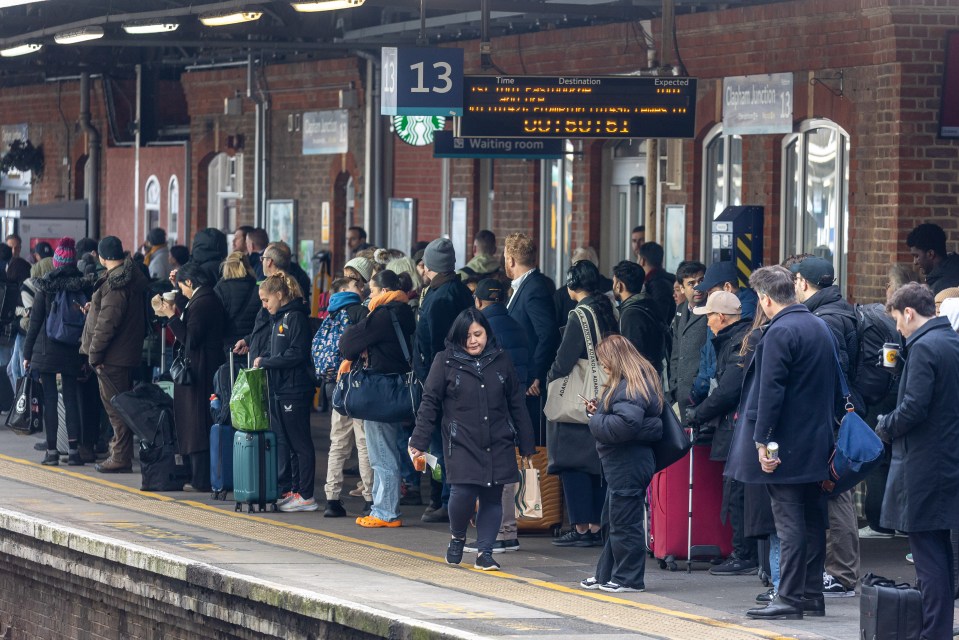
<point x="111" y="36"/>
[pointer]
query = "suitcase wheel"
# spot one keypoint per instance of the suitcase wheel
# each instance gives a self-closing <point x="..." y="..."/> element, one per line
<point x="555" y="530"/>
<point x="669" y="562"/>
<point x="274" y="508"/>
<point x="239" y="507"/>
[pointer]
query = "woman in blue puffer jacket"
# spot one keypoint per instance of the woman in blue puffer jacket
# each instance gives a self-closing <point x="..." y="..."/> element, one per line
<point x="625" y="421"/>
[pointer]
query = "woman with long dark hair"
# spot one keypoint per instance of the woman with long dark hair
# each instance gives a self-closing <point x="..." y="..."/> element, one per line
<point x="473" y="391"/>
<point x="625" y="422"/>
<point x="571" y="448"/>
<point x="197" y="321"/>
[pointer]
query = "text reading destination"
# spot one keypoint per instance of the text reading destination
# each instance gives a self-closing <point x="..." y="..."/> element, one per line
<point x="569" y="107"/>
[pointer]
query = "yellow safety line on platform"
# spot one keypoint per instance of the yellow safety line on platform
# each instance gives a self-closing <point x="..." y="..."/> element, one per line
<point x="406" y="552"/>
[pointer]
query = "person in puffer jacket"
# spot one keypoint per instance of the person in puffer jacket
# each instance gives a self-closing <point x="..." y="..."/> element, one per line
<point x="625" y="421"/>
<point x="291" y="386"/>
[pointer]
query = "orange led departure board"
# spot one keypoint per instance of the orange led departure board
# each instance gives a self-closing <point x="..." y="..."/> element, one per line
<point x="578" y="107"/>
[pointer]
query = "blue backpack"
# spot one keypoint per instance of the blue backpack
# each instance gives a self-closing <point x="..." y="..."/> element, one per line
<point x="326" y="345"/>
<point x="65" y="318"/>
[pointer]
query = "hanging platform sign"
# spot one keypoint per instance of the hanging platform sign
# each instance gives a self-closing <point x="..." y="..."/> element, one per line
<point x="445" y="145"/>
<point x="422" y="81"/>
<point x="758" y="104"/>
<point x="578" y="107"/>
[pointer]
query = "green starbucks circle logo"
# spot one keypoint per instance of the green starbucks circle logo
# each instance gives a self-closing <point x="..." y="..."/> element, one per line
<point x="418" y="130"/>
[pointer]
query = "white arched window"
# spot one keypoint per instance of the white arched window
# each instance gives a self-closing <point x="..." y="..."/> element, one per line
<point x="722" y="178"/>
<point x="151" y="204"/>
<point x="173" y="209"/>
<point x="815" y="193"/>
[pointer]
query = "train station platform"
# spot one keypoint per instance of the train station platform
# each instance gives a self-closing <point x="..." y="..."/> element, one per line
<point x="105" y="560"/>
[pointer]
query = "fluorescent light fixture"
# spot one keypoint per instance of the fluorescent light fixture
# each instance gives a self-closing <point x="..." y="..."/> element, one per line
<point x="222" y="19"/>
<point x="13" y="3"/>
<point x="20" y="50"/>
<point x="326" y="5"/>
<point x="79" y="35"/>
<point x="144" y="27"/>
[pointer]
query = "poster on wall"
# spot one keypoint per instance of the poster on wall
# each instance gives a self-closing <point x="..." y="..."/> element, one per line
<point x="675" y="238"/>
<point x="401" y="223"/>
<point x="281" y="221"/>
<point x="949" y="108"/>
<point x="325" y="223"/>
<point x="305" y="257"/>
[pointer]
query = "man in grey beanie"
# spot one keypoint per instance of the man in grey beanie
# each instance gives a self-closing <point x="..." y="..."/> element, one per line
<point x="446" y="297"/>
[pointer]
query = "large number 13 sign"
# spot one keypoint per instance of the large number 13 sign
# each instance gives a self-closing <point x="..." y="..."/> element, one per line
<point x="422" y="81"/>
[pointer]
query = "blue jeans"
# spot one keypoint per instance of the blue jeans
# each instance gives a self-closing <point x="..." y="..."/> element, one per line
<point x="15" y="367"/>
<point x="6" y="352"/>
<point x="774" y="553"/>
<point x="385" y="461"/>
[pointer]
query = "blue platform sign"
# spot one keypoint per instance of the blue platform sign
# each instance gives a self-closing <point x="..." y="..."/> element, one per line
<point x="445" y="145"/>
<point x="422" y="81"/>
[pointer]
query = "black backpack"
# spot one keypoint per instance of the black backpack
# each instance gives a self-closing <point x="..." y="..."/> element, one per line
<point x="874" y="381"/>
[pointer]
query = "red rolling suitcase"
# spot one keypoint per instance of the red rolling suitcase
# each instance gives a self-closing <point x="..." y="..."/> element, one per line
<point x="685" y="500"/>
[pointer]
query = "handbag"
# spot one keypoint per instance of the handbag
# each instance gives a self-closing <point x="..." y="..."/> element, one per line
<point x="563" y="403"/>
<point x="26" y="403"/>
<point x="364" y="394"/>
<point x="674" y="444"/>
<point x="858" y="449"/>
<point x="529" y="498"/>
<point x="181" y="369"/>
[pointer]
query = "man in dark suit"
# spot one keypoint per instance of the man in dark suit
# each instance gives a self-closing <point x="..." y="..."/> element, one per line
<point x="659" y="283"/>
<point x="532" y="306"/>
<point x="794" y="362"/>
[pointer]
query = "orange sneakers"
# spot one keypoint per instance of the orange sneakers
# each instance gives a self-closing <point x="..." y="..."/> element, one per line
<point x="372" y="522"/>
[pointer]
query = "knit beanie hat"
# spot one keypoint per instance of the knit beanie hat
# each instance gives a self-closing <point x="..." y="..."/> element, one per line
<point x="440" y="256"/>
<point x="66" y="253"/>
<point x="364" y="266"/>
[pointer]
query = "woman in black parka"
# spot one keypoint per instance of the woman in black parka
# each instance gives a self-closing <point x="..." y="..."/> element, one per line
<point x="240" y="297"/>
<point x="571" y="448"/>
<point x="49" y="357"/>
<point x="473" y="392"/>
<point x="625" y="422"/>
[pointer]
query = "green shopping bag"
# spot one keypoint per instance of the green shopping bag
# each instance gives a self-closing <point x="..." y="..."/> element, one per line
<point x="249" y="407"/>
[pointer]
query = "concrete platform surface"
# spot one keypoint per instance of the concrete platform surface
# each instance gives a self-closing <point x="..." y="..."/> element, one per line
<point x="401" y="572"/>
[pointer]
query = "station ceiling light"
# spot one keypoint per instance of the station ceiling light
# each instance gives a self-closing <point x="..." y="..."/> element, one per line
<point x="326" y="5"/>
<point x="20" y="50"/>
<point x="13" y="3"/>
<point x="144" y="27"/>
<point x="234" y="16"/>
<point x="78" y="35"/>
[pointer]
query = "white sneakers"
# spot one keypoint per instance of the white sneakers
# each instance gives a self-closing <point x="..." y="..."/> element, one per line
<point x="297" y="503"/>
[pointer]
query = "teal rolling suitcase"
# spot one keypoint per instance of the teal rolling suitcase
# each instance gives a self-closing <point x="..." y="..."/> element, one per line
<point x="254" y="469"/>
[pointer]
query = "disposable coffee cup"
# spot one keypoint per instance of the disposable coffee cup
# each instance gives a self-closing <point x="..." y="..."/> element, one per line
<point x="890" y="355"/>
<point x="169" y="296"/>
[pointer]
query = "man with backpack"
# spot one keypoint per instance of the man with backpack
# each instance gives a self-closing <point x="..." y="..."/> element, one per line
<point x="345" y="310"/>
<point x="815" y="289"/>
<point x="113" y="341"/>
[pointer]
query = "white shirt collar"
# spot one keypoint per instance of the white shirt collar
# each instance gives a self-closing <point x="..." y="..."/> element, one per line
<point x="516" y="285"/>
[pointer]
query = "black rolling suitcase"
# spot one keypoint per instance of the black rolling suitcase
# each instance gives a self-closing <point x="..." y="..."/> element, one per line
<point x="889" y="611"/>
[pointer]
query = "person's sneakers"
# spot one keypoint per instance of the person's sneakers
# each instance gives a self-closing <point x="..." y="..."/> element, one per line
<point x="372" y="522"/>
<point x="485" y="562"/>
<point x="869" y="532"/>
<point x="590" y="583"/>
<point x="733" y="566"/>
<point x="574" y="538"/>
<point x="74" y="459"/>
<point x="909" y="559"/>
<point x="299" y="503"/>
<point x="767" y="596"/>
<point x="112" y="466"/>
<point x="436" y="515"/>
<point x="454" y="552"/>
<point x="286" y="497"/>
<point x="358" y="491"/>
<point x="334" y="509"/>
<point x="51" y="460"/>
<point x="86" y="453"/>
<point x="367" y="508"/>
<point x="613" y="587"/>
<point x="40" y="446"/>
<point x="499" y="546"/>
<point x="832" y="588"/>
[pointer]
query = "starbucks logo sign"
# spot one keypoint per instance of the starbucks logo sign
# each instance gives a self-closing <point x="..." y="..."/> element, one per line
<point x="418" y="130"/>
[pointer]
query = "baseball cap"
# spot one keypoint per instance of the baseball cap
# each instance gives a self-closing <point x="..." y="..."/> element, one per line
<point x="490" y="290"/>
<point x="717" y="274"/>
<point x="720" y="302"/>
<point x="816" y="271"/>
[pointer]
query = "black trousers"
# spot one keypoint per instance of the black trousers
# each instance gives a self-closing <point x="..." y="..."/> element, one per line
<point x="462" y="506"/>
<point x="296" y="456"/>
<point x="743" y="548"/>
<point x="801" y="519"/>
<point x="200" y="470"/>
<point x="932" y="553"/>
<point x="876" y="490"/>
<point x="71" y="405"/>
<point x="623" y="559"/>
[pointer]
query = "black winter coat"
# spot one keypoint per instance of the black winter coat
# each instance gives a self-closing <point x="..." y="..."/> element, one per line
<point x="200" y="332"/>
<point x="840" y="317"/>
<point x="790" y="392"/>
<point x="922" y="491"/>
<point x="659" y="287"/>
<point x="375" y="335"/>
<point x="510" y="335"/>
<point x="259" y="339"/>
<point x="945" y="275"/>
<point x="288" y="361"/>
<point x="721" y="404"/>
<point x="689" y="336"/>
<point x="209" y="252"/>
<point x="640" y="323"/>
<point x="532" y="306"/>
<point x="45" y="354"/>
<point x="445" y="299"/>
<point x="241" y="300"/>
<point x="481" y="407"/>
<point x="628" y="427"/>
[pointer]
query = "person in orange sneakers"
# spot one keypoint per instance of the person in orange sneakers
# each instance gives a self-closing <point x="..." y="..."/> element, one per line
<point x="474" y="393"/>
<point x="376" y="339"/>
